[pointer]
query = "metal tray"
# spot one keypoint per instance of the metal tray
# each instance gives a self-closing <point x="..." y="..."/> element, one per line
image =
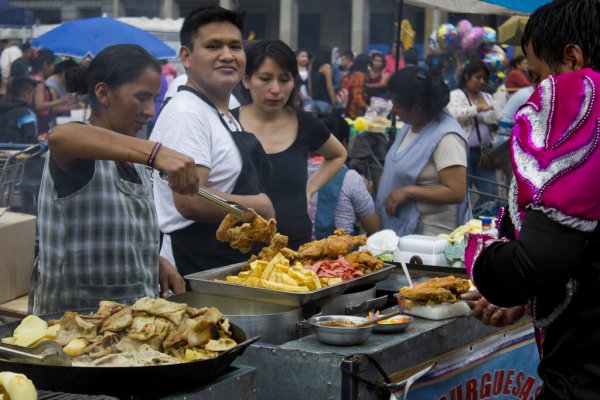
<point x="204" y="282"/>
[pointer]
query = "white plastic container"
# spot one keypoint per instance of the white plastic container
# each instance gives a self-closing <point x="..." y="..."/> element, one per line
<point x="427" y="259"/>
<point x="422" y="244"/>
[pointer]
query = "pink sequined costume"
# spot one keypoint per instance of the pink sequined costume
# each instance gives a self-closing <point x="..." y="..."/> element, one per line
<point x="548" y="250"/>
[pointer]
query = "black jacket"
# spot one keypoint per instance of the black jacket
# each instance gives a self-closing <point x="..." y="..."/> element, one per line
<point x="18" y="122"/>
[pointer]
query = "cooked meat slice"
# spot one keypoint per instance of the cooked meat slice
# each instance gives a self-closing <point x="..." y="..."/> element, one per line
<point x="212" y="315"/>
<point x="179" y="335"/>
<point x="128" y="344"/>
<point x="194" y="312"/>
<point x="118" y="321"/>
<point x="102" y="345"/>
<point x="145" y="356"/>
<point x="174" y="312"/>
<point x="72" y="326"/>
<point x="201" y="332"/>
<point x="107" y="308"/>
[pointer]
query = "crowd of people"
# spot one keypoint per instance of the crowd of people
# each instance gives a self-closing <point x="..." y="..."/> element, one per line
<point x="110" y="225"/>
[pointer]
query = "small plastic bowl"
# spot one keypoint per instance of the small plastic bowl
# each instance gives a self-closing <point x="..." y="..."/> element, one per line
<point x="397" y="327"/>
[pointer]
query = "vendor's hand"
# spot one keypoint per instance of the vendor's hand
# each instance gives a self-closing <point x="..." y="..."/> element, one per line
<point x="169" y="278"/>
<point x="181" y="170"/>
<point x="488" y="313"/>
<point x="394" y="199"/>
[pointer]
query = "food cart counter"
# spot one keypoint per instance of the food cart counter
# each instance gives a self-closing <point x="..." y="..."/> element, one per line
<point x="306" y="368"/>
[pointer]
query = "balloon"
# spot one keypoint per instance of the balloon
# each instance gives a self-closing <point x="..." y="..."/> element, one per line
<point x="489" y="37"/>
<point x="494" y="58"/>
<point x="433" y="43"/>
<point x="472" y="39"/>
<point x="447" y="36"/>
<point x="463" y="26"/>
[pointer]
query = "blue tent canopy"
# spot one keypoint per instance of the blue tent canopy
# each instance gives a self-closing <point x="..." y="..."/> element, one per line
<point x="528" y="6"/>
<point x="13" y="16"/>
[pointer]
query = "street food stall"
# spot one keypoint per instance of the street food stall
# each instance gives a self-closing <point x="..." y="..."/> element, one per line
<point x="291" y="340"/>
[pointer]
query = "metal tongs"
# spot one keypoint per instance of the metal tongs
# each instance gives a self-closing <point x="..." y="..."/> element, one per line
<point x="244" y="214"/>
<point x="47" y="352"/>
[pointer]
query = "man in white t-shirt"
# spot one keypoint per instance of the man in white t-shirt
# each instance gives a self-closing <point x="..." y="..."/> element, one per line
<point x="197" y="122"/>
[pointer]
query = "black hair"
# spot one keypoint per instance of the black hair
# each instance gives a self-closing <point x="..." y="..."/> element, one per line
<point x="18" y="86"/>
<point x="348" y="54"/>
<point x="323" y="56"/>
<point x="361" y="63"/>
<point x="378" y="55"/>
<point x="41" y="57"/>
<point x="560" y="23"/>
<point x="64" y="65"/>
<point x="206" y="15"/>
<point x="413" y="86"/>
<point x="514" y="63"/>
<point x="302" y="50"/>
<point x="470" y="69"/>
<point x="337" y="125"/>
<point x="115" y="65"/>
<point x="279" y="52"/>
<point x="25" y="47"/>
<point x="411" y="56"/>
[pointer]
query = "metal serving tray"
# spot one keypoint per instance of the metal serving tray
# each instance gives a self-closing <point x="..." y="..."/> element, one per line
<point x="204" y="282"/>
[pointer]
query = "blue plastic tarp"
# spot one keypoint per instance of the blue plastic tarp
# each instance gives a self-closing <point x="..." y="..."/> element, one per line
<point x="13" y="16"/>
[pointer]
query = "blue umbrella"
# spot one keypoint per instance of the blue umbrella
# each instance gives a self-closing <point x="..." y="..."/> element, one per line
<point x="89" y="36"/>
<point x="525" y="6"/>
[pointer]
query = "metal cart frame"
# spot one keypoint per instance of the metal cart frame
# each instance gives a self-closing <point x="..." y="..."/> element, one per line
<point x="13" y="157"/>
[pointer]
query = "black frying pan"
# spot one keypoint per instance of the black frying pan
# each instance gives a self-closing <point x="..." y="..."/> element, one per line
<point x="124" y="382"/>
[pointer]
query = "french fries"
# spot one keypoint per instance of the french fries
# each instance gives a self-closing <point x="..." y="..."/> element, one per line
<point x="277" y="274"/>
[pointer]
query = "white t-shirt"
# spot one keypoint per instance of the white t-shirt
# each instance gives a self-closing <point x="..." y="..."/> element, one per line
<point x="181" y="80"/>
<point x="192" y="127"/>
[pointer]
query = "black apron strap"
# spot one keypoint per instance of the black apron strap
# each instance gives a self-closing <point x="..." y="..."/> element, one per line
<point x="196" y="247"/>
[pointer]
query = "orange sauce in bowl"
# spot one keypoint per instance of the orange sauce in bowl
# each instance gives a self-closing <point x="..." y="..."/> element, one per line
<point x="393" y="321"/>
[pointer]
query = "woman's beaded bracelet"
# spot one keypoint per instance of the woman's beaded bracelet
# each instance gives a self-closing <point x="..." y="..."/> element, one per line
<point x="153" y="153"/>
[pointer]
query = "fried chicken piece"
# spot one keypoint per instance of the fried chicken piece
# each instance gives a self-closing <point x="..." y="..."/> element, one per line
<point x="242" y="236"/>
<point x="457" y="286"/>
<point x="364" y="260"/>
<point x="428" y="295"/>
<point x="278" y="242"/>
<point x="338" y="244"/>
<point x="436" y="290"/>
